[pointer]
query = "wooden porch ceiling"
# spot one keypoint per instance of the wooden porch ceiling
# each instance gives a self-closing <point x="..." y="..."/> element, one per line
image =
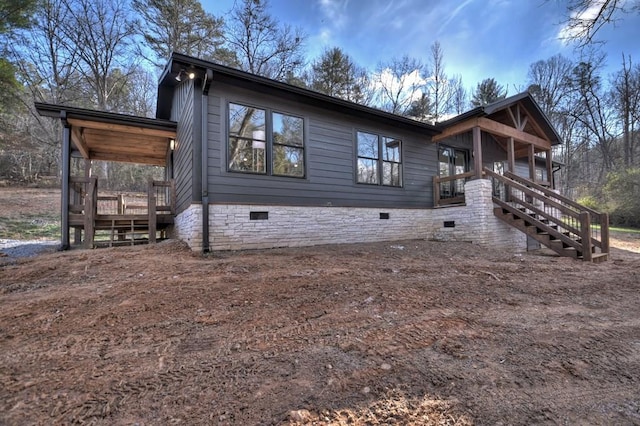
<point x="116" y="142"/>
<point x="99" y="135"/>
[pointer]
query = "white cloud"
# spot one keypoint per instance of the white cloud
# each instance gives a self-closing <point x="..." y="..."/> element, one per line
<point x="454" y="14"/>
<point x="580" y="20"/>
<point x="335" y="12"/>
<point x="409" y="85"/>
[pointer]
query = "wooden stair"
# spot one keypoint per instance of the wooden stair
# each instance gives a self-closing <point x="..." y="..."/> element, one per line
<point x="554" y="221"/>
<point x="546" y="234"/>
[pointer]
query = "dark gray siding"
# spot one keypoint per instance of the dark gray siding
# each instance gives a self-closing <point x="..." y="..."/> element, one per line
<point x="183" y="161"/>
<point x="330" y="160"/>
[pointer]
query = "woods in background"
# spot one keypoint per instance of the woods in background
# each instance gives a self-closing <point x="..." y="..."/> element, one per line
<point x="107" y="55"/>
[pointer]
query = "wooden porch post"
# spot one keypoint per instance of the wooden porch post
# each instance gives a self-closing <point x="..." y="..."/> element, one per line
<point x="532" y="163"/>
<point x="77" y="232"/>
<point x="549" y="168"/>
<point x="477" y="152"/>
<point x="90" y="206"/>
<point x="511" y="156"/>
<point x="66" y="172"/>
<point x="151" y="199"/>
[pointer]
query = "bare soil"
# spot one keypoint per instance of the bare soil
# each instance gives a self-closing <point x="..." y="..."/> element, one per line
<point x="410" y="332"/>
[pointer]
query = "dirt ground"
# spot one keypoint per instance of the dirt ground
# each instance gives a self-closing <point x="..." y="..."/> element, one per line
<point x="410" y="332"/>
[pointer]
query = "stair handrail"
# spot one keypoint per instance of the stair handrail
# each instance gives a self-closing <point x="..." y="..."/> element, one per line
<point x="596" y="217"/>
<point x="550" y="193"/>
<point x="585" y="215"/>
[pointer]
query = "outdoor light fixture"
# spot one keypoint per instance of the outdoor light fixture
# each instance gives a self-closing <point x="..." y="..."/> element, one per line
<point x="172" y="144"/>
<point x="190" y="74"/>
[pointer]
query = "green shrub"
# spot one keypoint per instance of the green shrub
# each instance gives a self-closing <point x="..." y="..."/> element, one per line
<point x="591" y="202"/>
<point x="623" y="194"/>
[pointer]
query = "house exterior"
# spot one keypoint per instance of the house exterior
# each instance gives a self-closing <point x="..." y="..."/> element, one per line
<point x="277" y="165"/>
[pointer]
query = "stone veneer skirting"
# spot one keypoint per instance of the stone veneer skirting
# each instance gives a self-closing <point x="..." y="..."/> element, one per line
<point x="230" y="227"/>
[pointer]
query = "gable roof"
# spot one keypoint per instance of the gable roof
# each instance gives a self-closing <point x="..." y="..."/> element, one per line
<point x="495" y="109"/>
<point x="179" y="63"/>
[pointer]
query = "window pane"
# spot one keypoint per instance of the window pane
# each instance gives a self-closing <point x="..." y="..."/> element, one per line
<point x="247" y="155"/>
<point x="367" y="145"/>
<point x="288" y="130"/>
<point x="391" y="149"/>
<point x="288" y="161"/>
<point x="246" y="122"/>
<point x="391" y="174"/>
<point x="460" y="162"/>
<point x="367" y="171"/>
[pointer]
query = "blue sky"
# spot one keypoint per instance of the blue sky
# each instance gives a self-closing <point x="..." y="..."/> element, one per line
<point x="480" y="38"/>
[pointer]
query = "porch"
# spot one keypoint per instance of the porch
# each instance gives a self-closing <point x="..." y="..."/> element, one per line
<point x="511" y="145"/>
<point x="92" y="216"/>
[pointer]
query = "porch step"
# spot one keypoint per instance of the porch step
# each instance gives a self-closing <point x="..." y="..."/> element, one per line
<point x="543" y="232"/>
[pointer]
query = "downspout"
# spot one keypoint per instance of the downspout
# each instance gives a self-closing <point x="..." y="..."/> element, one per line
<point x="204" y="154"/>
<point x="66" y="172"/>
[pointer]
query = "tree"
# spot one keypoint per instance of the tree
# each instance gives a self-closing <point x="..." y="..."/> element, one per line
<point x="459" y="95"/>
<point x="181" y="26"/>
<point x="263" y="46"/>
<point x="399" y="83"/>
<point x="420" y="109"/>
<point x="14" y="15"/>
<point x="590" y="110"/>
<point x="46" y="64"/>
<point x="587" y="17"/>
<point x="625" y="94"/>
<point x="439" y="90"/>
<point x="334" y="73"/>
<point x="622" y="191"/>
<point x="488" y="91"/>
<point x="100" y="33"/>
<point x="548" y="83"/>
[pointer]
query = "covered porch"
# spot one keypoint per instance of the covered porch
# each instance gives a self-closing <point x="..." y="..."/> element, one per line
<point x="90" y="215"/>
<point x="511" y="135"/>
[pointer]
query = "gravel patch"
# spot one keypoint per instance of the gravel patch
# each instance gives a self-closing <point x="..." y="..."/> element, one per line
<point x="14" y="249"/>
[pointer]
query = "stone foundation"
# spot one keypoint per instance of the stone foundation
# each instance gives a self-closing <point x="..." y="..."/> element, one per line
<point x="231" y="227"/>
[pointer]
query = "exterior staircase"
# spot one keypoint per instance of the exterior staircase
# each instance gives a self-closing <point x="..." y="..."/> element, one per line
<point x="564" y="226"/>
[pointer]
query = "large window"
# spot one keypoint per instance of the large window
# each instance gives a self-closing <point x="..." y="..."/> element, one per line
<point x="379" y="160"/>
<point x="451" y="162"/>
<point x="265" y="142"/>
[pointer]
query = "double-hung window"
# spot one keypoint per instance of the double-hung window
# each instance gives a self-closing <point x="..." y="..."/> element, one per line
<point x="379" y="159"/>
<point x="265" y="142"/>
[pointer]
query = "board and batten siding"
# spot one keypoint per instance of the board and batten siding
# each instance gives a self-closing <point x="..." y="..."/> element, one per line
<point x="330" y="160"/>
<point x="183" y="161"/>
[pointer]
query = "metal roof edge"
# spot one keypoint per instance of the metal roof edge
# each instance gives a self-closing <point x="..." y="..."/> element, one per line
<point x="55" y="111"/>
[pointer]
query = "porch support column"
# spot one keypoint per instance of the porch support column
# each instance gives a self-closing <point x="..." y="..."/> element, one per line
<point x="532" y="163"/>
<point x="66" y="173"/>
<point x="550" y="169"/>
<point x="477" y="152"/>
<point x="511" y="158"/>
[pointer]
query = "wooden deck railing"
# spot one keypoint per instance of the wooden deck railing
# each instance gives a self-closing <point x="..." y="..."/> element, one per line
<point x="161" y="198"/>
<point x="450" y="195"/>
<point x="86" y="207"/>
<point x="574" y="221"/>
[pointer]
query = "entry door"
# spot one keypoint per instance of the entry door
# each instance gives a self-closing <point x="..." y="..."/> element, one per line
<point x="452" y="161"/>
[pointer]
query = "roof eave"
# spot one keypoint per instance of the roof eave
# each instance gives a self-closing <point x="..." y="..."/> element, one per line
<point x="179" y="60"/>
